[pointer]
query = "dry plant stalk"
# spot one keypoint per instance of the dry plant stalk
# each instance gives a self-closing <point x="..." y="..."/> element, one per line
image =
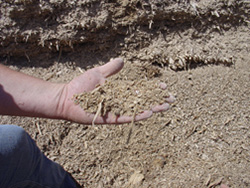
<point x="98" y="112"/>
<point x="122" y="97"/>
<point x="131" y="127"/>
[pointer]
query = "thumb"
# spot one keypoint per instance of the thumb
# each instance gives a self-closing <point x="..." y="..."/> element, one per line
<point x="112" y="67"/>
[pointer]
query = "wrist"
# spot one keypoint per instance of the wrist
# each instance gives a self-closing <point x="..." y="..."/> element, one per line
<point x="59" y="106"/>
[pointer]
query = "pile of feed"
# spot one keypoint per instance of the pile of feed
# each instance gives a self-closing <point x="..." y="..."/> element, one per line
<point x="122" y="97"/>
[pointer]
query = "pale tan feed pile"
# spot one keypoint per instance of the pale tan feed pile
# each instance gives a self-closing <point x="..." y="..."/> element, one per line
<point x="122" y="97"/>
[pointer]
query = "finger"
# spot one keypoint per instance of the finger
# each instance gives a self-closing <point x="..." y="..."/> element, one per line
<point x="163" y="85"/>
<point x="144" y="115"/>
<point x="161" y="108"/>
<point x="170" y="99"/>
<point x="112" y="119"/>
<point x="112" y="67"/>
<point x="127" y="119"/>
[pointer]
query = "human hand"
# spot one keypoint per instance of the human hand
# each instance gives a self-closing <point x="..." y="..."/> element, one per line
<point x="86" y="83"/>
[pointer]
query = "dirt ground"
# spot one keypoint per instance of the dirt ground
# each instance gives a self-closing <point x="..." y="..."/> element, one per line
<point x="199" y="48"/>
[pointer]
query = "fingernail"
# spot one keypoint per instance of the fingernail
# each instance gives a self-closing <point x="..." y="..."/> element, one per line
<point x="170" y="99"/>
<point x="163" y="85"/>
<point x="165" y="106"/>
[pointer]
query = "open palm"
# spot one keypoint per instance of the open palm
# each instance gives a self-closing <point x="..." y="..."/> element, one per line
<point x="86" y="83"/>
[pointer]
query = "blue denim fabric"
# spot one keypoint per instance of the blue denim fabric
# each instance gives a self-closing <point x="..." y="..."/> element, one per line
<point x="23" y="165"/>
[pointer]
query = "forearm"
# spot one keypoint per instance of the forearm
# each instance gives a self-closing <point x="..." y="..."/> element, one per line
<point x="24" y="95"/>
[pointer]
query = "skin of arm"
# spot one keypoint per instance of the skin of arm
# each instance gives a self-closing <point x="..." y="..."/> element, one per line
<point x="23" y="95"/>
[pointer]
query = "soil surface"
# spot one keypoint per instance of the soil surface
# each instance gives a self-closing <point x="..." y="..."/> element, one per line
<point x="199" y="48"/>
